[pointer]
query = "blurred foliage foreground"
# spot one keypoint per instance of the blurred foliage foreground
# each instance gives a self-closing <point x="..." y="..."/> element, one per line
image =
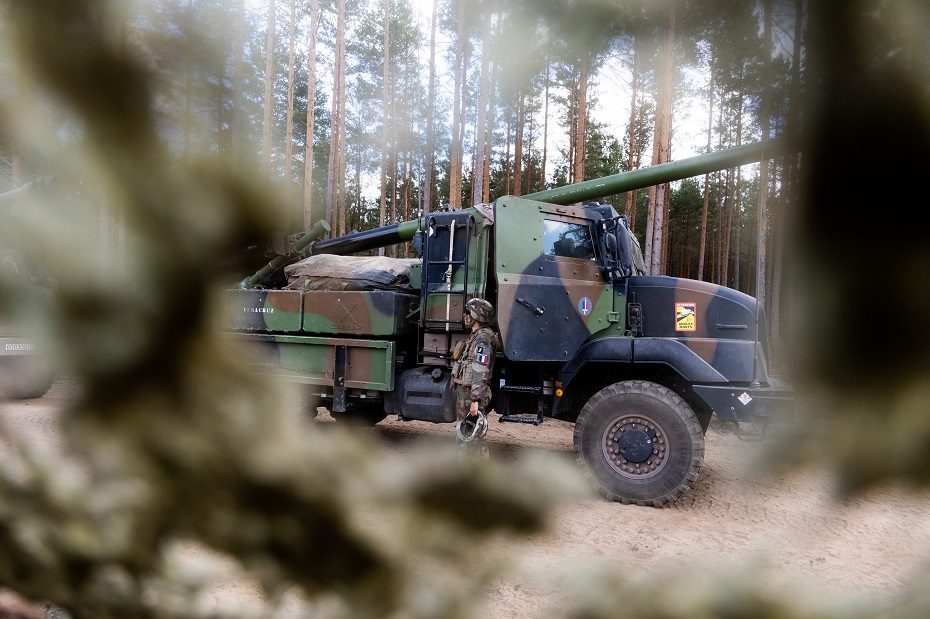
<point x="172" y="440"/>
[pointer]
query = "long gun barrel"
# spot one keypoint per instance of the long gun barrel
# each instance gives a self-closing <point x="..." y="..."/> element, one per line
<point x="369" y="239"/>
<point x="319" y="229"/>
<point x="386" y="236"/>
<point x="662" y="173"/>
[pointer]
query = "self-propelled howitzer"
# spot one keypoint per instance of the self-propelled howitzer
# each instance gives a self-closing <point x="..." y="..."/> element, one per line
<point x="639" y="363"/>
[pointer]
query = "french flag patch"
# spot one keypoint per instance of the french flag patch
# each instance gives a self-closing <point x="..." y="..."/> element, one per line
<point x="481" y="354"/>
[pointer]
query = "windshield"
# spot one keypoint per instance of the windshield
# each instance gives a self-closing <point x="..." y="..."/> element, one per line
<point x="568" y="240"/>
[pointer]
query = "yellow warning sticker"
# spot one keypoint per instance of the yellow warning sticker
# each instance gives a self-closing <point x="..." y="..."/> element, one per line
<point x="685" y="317"/>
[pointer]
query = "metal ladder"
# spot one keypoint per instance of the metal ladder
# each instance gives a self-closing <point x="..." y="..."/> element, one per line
<point x="448" y="261"/>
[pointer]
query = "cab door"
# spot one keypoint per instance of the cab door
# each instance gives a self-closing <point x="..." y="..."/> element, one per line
<point x="552" y="293"/>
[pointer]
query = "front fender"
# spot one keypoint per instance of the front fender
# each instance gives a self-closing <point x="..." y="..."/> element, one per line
<point x="631" y="351"/>
<point x="628" y="350"/>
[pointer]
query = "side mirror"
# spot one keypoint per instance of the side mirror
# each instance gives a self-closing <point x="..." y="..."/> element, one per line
<point x="611" y="242"/>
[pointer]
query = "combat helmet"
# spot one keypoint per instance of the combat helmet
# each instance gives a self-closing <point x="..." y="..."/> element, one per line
<point x="481" y="310"/>
<point x="472" y="428"/>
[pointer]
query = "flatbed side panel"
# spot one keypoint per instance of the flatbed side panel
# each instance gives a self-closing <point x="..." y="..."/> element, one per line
<point x="264" y="310"/>
<point x="312" y="360"/>
<point x="383" y="313"/>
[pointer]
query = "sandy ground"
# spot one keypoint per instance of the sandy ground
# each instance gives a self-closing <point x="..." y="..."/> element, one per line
<point x="735" y="517"/>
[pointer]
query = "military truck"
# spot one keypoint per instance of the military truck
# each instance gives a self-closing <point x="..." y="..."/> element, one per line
<point x="24" y="372"/>
<point x="639" y="363"/>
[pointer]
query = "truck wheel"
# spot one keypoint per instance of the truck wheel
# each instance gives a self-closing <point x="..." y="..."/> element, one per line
<point x="640" y="443"/>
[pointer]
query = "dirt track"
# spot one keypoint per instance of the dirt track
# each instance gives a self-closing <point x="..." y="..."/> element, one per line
<point x="735" y="516"/>
<point x="867" y="546"/>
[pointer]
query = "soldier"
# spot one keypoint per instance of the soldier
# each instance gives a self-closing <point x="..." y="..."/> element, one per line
<point x="472" y="369"/>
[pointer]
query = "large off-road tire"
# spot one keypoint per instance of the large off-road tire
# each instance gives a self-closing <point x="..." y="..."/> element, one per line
<point x="640" y="443"/>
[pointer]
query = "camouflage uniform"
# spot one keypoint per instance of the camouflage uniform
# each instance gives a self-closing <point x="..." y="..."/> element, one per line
<point x="472" y="368"/>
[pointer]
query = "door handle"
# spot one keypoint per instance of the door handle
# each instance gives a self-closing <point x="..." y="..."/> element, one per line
<point x="539" y="311"/>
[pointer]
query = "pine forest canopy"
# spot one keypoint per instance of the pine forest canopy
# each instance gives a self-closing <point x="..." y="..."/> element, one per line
<point x="417" y="104"/>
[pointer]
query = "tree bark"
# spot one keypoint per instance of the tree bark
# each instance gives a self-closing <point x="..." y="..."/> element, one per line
<point x="545" y="130"/>
<point x="238" y="118"/>
<point x="710" y="132"/>
<point x="631" y="195"/>
<point x="581" y="122"/>
<point x="659" y="195"/>
<point x="764" y="173"/>
<point x="430" y="115"/>
<point x="455" y="154"/>
<point x="311" y="99"/>
<point x="385" y="114"/>
<point x="489" y="139"/>
<point x="727" y="232"/>
<point x="335" y="202"/>
<point x="507" y="165"/>
<point x="478" y="161"/>
<point x="738" y="201"/>
<point x="269" y="83"/>
<point x="289" y="139"/>
<point x="791" y="163"/>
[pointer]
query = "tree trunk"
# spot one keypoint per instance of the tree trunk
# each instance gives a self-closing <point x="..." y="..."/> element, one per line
<point x="631" y="195"/>
<point x="455" y="155"/>
<point x="430" y="114"/>
<point x="542" y="171"/>
<point x="659" y="195"/>
<point x="529" y="158"/>
<point x="738" y="202"/>
<point x="764" y="173"/>
<point x="289" y="139"/>
<point x="518" y="150"/>
<point x="478" y="161"/>
<point x="489" y="138"/>
<point x="792" y="173"/>
<point x="238" y="114"/>
<point x="395" y="160"/>
<point x="507" y="165"/>
<point x="269" y="83"/>
<point x="581" y="122"/>
<point x="311" y="98"/>
<point x="638" y="164"/>
<point x="385" y="115"/>
<point x="727" y="232"/>
<point x="710" y="132"/>
<point x="335" y="202"/>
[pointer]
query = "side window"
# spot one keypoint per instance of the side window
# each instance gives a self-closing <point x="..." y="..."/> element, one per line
<point x="567" y="240"/>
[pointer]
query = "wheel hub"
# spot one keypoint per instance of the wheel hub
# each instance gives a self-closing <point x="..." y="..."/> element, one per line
<point x="635" y="446"/>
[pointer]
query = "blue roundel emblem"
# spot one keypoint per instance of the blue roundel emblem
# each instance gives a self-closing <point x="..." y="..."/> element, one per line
<point x="585" y="306"/>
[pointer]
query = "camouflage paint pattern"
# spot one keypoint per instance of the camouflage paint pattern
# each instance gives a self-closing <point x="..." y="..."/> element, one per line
<point x="355" y="313"/>
<point x="376" y="313"/>
<point x="716" y="323"/>
<point x="272" y="323"/>
<point x="264" y="310"/>
<point x="548" y="305"/>
<point x="311" y="360"/>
